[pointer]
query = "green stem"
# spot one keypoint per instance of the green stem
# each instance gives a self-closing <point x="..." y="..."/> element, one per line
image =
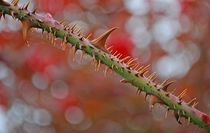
<point x="113" y="63"/>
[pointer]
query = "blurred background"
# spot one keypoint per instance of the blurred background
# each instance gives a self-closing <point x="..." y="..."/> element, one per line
<point x="42" y="90"/>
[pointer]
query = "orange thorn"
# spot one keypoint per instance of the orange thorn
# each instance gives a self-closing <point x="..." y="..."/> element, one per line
<point x="194" y="104"/>
<point x="63" y="44"/>
<point x="111" y="51"/>
<point x="119" y="54"/>
<point x="190" y="103"/>
<point x="73" y="52"/>
<point x="163" y="82"/>
<point x="151" y="76"/>
<point x="53" y="40"/>
<point x="144" y="70"/>
<point x="139" y="69"/>
<point x="144" y="73"/>
<point x="101" y="40"/>
<point x="89" y="36"/>
<point x="25" y="29"/>
<point x="135" y="67"/>
<point x="182" y="94"/>
<point x="115" y="53"/>
<point x="127" y="57"/>
<point x="131" y="61"/>
<point x="15" y="2"/>
<point x="110" y="47"/>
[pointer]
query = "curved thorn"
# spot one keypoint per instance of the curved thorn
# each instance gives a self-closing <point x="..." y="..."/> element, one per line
<point x="177" y="117"/>
<point x="34" y="11"/>
<point x="123" y="81"/>
<point x="101" y="40"/>
<point x="166" y="85"/>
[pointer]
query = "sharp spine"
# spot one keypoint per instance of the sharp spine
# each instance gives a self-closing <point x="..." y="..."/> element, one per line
<point x="99" y="64"/>
<point x="190" y="103"/>
<point x="15" y="2"/>
<point x="127" y="57"/>
<point x="26" y="5"/>
<point x="182" y="94"/>
<point x="165" y="85"/>
<point x="123" y="81"/>
<point x="100" y="42"/>
<point x="144" y="70"/>
<point x="106" y="70"/>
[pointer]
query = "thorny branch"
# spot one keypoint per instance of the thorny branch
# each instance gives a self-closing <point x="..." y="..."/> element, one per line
<point x="126" y="67"/>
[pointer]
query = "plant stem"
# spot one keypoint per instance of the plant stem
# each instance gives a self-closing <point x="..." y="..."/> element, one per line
<point x="167" y="99"/>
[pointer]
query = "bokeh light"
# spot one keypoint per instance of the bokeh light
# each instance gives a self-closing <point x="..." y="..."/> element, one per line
<point x="44" y="89"/>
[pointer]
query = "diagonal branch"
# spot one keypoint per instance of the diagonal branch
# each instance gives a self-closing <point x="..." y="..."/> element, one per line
<point x="127" y="67"/>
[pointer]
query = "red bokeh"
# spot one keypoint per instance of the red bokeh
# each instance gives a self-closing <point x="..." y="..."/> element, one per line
<point x="121" y="43"/>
